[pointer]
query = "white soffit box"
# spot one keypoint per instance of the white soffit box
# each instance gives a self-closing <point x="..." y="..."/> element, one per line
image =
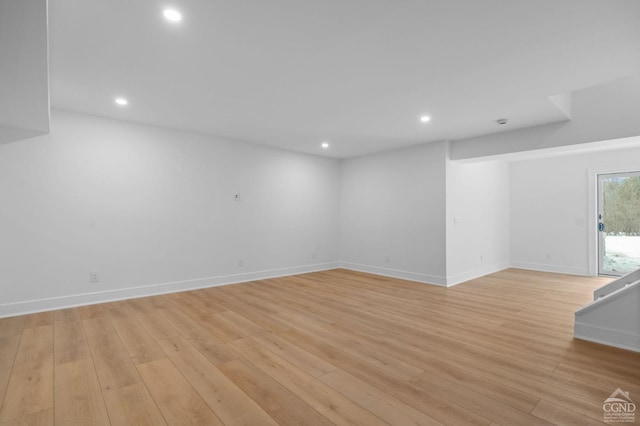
<point x="24" y="73"/>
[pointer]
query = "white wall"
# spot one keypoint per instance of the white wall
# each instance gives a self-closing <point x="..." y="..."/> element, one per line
<point x="152" y="210"/>
<point x="553" y="225"/>
<point x="145" y="206"/>
<point x="412" y="213"/>
<point x="393" y="213"/>
<point x="478" y="219"/>
<point x="534" y="214"/>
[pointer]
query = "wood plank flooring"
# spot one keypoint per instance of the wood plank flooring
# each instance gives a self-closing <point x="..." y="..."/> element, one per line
<point x="334" y="347"/>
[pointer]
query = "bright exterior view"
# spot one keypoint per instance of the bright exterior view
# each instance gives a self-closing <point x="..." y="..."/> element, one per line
<point x="621" y="218"/>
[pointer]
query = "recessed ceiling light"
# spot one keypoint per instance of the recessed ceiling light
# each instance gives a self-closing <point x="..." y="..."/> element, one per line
<point x="502" y="121"/>
<point x="172" y="15"/>
<point x="325" y="145"/>
<point x="425" y="119"/>
<point x="122" y="101"/>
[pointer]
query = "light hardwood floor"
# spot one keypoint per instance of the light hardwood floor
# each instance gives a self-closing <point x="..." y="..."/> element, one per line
<point x="335" y="347"/>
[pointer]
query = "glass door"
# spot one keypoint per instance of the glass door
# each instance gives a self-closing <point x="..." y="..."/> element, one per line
<point x="618" y="223"/>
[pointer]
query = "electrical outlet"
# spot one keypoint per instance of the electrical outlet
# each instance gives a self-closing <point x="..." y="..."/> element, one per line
<point x="93" y="277"/>
<point x="240" y="263"/>
<point x="237" y="196"/>
<point x="481" y="258"/>
<point x="313" y="255"/>
<point x="387" y="259"/>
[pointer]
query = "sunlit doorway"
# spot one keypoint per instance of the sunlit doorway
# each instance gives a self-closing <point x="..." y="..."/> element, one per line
<point x="618" y="223"/>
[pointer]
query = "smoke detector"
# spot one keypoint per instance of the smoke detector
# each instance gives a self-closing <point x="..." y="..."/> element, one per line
<point x="502" y="121"/>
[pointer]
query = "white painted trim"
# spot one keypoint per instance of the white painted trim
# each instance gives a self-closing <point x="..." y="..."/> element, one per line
<point x="623" y="281"/>
<point x="622" y="291"/>
<point x="543" y="267"/>
<point x="394" y="273"/>
<point x="607" y="336"/>
<point x="476" y="273"/>
<point x="52" y="303"/>
<point x="592" y="221"/>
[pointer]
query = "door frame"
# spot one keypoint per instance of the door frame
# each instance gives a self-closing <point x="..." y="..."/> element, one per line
<point x="593" y="208"/>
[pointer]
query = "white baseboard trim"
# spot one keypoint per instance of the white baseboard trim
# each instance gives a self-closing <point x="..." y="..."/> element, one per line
<point x="394" y="273"/>
<point x="70" y="301"/>
<point x="544" y="267"/>
<point x="476" y="273"/>
<point x="607" y="336"/>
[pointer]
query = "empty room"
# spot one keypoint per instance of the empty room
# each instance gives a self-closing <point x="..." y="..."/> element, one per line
<point x="304" y="212"/>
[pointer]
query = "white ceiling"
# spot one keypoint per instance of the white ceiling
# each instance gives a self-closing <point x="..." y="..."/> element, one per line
<point x="357" y="73"/>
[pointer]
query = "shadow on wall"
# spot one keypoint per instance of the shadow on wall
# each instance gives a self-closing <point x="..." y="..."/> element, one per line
<point x="12" y="134"/>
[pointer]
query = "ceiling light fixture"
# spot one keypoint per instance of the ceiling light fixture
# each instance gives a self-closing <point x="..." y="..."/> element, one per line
<point x="122" y="101"/>
<point x="325" y="145"/>
<point x="425" y="119"/>
<point x="172" y="15"/>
